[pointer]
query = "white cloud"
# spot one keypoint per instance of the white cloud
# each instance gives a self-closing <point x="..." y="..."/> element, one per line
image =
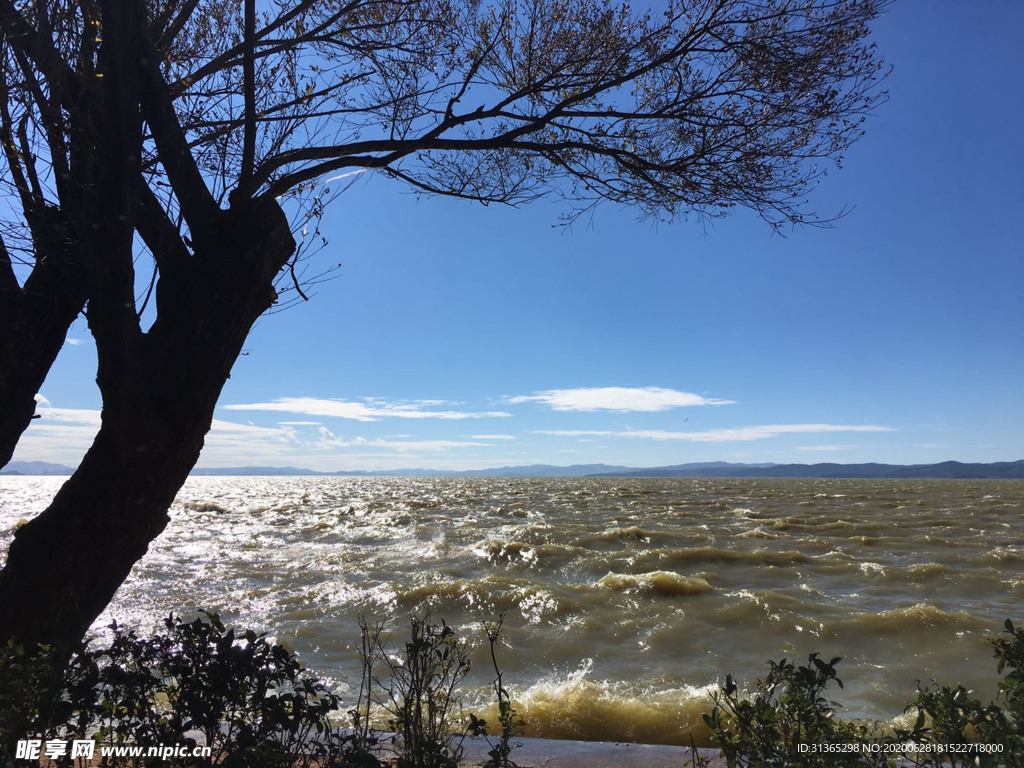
<point x="623" y="399"/>
<point x="493" y="437"/>
<point x="82" y="416"/>
<point x="42" y="400"/>
<point x="64" y="435"/>
<point x="721" y="435"/>
<point x="753" y="433"/>
<point x="68" y="438"/>
<point x="823" y="447"/>
<point x="424" y="445"/>
<point x="220" y="429"/>
<point x="77" y="342"/>
<point x="327" y="441"/>
<point x="61" y="435"/>
<point x="371" y="409"/>
<point x="580" y="432"/>
<point x="284" y="444"/>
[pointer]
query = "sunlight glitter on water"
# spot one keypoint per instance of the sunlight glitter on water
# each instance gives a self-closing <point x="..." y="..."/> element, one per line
<point x="658" y="588"/>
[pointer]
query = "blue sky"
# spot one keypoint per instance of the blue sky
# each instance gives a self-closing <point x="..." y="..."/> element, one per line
<point x="458" y="336"/>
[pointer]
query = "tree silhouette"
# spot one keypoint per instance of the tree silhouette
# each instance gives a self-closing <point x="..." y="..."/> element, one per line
<point x="200" y="137"/>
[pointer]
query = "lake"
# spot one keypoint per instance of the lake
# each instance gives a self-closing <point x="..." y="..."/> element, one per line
<point x="626" y="600"/>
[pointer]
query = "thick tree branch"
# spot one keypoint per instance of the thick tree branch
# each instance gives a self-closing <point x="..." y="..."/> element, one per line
<point x="249" y="94"/>
<point x="8" y="280"/>
<point x="197" y="204"/>
<point x="159" y="233"/>
<point x="38" y="48"/>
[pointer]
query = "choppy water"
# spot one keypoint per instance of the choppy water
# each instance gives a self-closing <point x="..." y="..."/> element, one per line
<point x="626" y="599"/>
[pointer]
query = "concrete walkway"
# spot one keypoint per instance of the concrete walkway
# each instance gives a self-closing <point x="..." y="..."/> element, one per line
<point x="549" y="753"/>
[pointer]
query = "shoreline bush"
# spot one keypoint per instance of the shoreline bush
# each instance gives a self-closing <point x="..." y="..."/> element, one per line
<point x="248" y="699"/>
<point x="786" y="722"/>
<point x="196" y="682"/>
<point x="254" y="704"/>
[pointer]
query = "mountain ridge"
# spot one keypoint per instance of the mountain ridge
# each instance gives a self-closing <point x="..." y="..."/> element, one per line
<point x="950" y="470"/>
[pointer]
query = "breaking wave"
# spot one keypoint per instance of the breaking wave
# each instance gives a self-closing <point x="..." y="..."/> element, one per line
<point x="663" y="583"/>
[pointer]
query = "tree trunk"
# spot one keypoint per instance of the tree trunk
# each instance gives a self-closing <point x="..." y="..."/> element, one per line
<point x="159" y="392"/>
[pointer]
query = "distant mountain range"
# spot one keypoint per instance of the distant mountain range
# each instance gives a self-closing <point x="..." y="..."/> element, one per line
<point x="953" y="470"/>
<point x="531" y="470"/>
<point x="35" y="468"/>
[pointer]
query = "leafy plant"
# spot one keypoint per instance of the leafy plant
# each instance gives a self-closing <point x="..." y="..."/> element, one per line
<point x="254" y="704"/>
<point x="249" y="699"/>
<point x="1009" y="653"/>
<point x="420" y="696"/>
<point x="46" y="694"/>
<point x="508" y="718"/>
<point x="786" y="722"/>
<point x="957" y="718"/>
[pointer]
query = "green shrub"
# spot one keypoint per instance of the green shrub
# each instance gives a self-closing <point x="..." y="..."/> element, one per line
<point x="249" y="700"/>
<point x="45" y="694"/>
<point x="1009" y="653"/>
<point x="953" y="716"/>
<point x="788" y="709"/>
<point x="786" y="717"/>
<point x="419" y="695"/>
<point x="256" y="707"/>
<point x="509" y="720"/>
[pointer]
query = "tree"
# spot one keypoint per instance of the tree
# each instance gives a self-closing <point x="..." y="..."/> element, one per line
<point x="52" y="172"/>
<point x="202" y="134"/>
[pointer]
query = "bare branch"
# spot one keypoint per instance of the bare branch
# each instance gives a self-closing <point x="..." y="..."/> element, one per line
<point x="167" y="28"/>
